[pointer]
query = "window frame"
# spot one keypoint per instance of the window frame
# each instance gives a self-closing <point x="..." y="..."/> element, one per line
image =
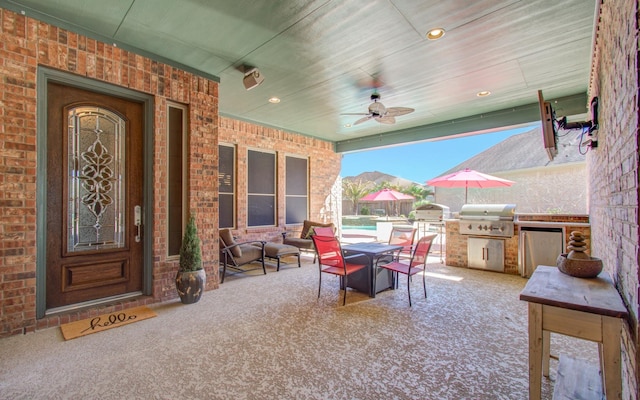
<point x="290" y="196"/>
<point x="256" y="195"/>
<point x="234" y="186"/>
<point x="184" y="175"/>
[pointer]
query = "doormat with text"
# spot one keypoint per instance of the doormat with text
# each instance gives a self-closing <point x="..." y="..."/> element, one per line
<point x="101" y="323"/>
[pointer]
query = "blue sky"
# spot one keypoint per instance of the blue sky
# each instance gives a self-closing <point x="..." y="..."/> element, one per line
<point x="422" y="161"/>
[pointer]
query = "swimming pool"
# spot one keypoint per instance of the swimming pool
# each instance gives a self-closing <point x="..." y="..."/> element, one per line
<point x="364" y="227"/>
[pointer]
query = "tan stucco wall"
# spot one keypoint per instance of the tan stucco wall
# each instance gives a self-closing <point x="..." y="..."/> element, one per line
<point x="553" y="189"/>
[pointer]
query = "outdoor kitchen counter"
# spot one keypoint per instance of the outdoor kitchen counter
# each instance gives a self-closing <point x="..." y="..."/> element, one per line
<point x="456" y="243"/>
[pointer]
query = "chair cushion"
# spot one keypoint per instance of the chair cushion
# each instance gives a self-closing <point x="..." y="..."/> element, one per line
<point x="227" y="238"/>
<point x="275" y="250"/>
<point x="299" y="242"/>
<point x="249" y="253"/>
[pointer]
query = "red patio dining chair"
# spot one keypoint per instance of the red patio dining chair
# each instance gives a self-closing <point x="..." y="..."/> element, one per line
<point x="400" y="236"/>
<point x="331" y="260"/>
<point x="417" y="263"/>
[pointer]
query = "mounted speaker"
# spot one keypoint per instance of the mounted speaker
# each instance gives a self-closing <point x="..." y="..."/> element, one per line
<point x="252" y="78"/>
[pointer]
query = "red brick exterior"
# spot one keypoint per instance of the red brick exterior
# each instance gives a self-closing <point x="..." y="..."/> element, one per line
<point x="324" y="168"/>
<point x="26" y="44"/>
<point x="613" y="167"/>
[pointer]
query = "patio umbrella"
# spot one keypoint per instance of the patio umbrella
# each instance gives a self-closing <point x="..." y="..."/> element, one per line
<point x="388" y="195"/>
<point x="467" y="178"/>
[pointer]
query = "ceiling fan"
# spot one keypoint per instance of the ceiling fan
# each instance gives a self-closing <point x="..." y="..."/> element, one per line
<point x="380" y="113"/>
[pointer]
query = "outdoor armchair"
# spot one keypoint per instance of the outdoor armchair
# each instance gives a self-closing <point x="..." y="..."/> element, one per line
<point x="304" y="242"/>
<point x="234" y="255"/>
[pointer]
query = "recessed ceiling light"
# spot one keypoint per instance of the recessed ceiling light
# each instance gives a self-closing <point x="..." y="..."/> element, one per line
<point x="483" y="93"/>
<point x="274" y="100"/>
<point x="347" y="125"/>
<point x="435" y="33"/>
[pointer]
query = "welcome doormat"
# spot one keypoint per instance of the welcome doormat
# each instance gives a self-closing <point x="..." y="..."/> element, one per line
<point x="101" y="323"/>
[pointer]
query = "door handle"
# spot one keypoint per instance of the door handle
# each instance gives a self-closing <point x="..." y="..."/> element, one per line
<point x="137" y="220"/>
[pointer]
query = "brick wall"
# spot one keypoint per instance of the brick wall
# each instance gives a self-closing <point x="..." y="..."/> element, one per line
<point x="25" y="44"/>
<point x="613" y="166"/>
<point x="324" y="168"/>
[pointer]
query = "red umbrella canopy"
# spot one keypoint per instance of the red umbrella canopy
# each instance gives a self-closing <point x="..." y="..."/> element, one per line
<point x="467" y="178"/>
<point x="386" y="195"/>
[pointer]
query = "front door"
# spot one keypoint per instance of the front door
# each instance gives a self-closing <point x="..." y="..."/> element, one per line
<point x="94" y="196"/>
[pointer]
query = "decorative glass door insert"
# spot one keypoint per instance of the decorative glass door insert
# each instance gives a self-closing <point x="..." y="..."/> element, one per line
<point x="96" y="180"/>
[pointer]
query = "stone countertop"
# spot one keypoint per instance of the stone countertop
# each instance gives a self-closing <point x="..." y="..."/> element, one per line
<point x="542" y="224"/>
<point x="550" y="224"/>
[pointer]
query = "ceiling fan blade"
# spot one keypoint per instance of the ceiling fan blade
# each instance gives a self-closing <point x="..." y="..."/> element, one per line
<point x="361" y="120"/>
<point x="354" y="114"/>
<point x="398" y="111"/>
<point x="386" y="120"/>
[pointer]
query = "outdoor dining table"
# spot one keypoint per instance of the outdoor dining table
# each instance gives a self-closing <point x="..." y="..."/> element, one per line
<point x="368" y="280"/>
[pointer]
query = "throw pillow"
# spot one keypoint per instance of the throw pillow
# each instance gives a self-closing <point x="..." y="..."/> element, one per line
<point x="227" y="238"/>
<point x="310" y="232"/>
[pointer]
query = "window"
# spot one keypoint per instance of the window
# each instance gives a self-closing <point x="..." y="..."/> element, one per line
<point x="177" y="145"/>
<point x="227" y="186"/>
<point x="296" y="191"/>
<point x="261" y="189"/>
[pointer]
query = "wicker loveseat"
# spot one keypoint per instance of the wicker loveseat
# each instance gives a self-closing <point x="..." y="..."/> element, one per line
<point x="304" y="242"/>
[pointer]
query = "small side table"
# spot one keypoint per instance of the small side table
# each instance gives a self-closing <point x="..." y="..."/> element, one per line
<point x="588" y="309"/>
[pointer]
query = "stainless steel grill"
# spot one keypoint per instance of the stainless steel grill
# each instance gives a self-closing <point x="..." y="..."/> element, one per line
<point x="487" y="219"/>
<point x="432" y="213"/>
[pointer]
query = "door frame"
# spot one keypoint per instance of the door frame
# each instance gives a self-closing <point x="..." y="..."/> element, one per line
<point x="44" y="76"/>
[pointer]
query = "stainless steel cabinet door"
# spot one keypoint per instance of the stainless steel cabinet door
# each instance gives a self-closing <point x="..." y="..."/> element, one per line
<point x="486" y="253"/>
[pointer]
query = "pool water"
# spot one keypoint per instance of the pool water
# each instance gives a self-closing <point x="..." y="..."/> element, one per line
<point x="367" y="228"/>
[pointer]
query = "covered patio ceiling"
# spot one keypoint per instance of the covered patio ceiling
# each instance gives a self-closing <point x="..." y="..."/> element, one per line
<point x="323" y="58"/>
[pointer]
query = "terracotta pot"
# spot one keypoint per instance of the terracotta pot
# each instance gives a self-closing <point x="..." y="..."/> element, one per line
<point x="190" y="285"/>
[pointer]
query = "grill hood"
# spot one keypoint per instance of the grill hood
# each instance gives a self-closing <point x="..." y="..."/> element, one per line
<point x="488" y="211"/>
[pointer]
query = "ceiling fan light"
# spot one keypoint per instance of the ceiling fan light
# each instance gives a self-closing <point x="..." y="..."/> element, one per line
<point x="435" y="33"/>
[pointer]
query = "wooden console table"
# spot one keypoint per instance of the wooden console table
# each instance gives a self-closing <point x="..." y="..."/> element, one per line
<point x="588" y="309"/>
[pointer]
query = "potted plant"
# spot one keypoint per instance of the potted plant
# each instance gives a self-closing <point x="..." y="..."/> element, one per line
<point x="191" y="277"/>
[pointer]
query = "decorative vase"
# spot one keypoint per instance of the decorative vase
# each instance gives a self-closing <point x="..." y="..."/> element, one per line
<point x="579" y="268"/>
<point x="190" y="285"/>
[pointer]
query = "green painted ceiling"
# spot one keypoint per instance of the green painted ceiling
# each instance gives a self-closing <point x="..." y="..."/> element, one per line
<point x="323" y="58"/>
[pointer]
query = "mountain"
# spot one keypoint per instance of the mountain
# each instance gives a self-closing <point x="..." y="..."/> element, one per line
<point x="377" y="178"/>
